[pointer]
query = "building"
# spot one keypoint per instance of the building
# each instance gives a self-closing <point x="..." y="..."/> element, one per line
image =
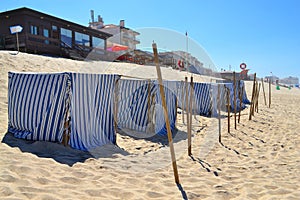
<point x="289" y="80"/>
<point x="273" y="78"/>
<point x="121" y="35"/>
<point x="228" y="75"/>
<point x="46" y="34"/>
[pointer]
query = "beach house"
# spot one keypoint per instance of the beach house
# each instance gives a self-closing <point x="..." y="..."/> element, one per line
<point x="45" y="34"/>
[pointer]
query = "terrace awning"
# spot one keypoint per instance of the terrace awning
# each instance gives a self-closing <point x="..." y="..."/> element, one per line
<point x="117" y="47"/>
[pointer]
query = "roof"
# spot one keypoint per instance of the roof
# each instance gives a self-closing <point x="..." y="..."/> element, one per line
<point x="28" y="11"/>
<point x="107" y="26"/>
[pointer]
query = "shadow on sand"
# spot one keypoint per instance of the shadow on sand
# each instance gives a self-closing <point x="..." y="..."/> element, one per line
<point x="59" y="152"/>
<point x="70" y="156"/>
<point x="205" y="165"/>
<point x="162" y="139"/>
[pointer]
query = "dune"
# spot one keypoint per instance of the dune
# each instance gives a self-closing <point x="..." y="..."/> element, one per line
<point x="259" y="160"/>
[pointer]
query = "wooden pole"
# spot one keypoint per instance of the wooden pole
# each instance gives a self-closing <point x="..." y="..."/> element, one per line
<point x="116" y="93"/>
<point x="241" y="101"/>
<point x="176" y="115"/>
<point x="191" y="100"/>
<point x="187" y="103"/>
<point x="270" y="93"/>
<point x="149" y="101"/>
<point x="228" y="108"/>
<point x="163" y="98"/>
<point x="219" y="111"/>
<point x="17" y="35"/>
<point x="67" y="130"/>
<point x="190" y="119"/>
<point x="256" y="106"/>
<point x="255" y="98"/>
<point x="234" y="97"/>
<point x="252" y="97"/>
<point x="263" y="88"/>
<point x="182" y="100"/>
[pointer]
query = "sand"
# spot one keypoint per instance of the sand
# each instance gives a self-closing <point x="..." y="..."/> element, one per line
<point x="259" y="160"/>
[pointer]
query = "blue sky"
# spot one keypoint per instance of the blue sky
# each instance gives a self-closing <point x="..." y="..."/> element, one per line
<point x="265" y="34"/>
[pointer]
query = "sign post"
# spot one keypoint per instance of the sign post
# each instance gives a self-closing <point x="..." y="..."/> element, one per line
<point x="15" y="30"/>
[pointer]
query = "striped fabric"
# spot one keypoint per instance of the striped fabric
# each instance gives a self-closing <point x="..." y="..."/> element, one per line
<point x="92" y="109"/>
<point x="240" y="84"/>
<point x="133" y="104"/>
<point x="206" y="95"/>
<point x="202" y="98"/>
<point x="171" y="100"/>
<point x="133" y="108"/>
<point x="245" y="98"/>
<point x="36" y="105"/>
<point x="214" y="98"/>
<point x="230" y="86"/>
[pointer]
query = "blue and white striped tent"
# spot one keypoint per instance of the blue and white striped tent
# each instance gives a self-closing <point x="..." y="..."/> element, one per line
<point x="132" y="103"/>
<point x="171" y="101"/>
<point x="39" y="103"/>
<point x="204" y="97"/>
<point x="240" y="85"/>
<point x="36" y="105"/>
<point x="92" y="110"/>
<point x="134" y="97"/>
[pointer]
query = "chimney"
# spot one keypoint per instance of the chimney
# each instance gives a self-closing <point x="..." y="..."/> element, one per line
<point x="100" y="23"/>
<point x="100" y="19"/>
<point x="122" y="23"/>
<point x="92" y="16"/>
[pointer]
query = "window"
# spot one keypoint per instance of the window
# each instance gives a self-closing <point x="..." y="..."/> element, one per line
<point x="82" y="39"/>
<point x="46" y="34"/>
<point x="34" y="30"/>
<point x="66" y="36"/>
<point x="98" y="42"/>
<point x="55" y="32"/>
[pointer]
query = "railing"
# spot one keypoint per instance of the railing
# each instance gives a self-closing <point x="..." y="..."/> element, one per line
<point x="10" y="42"/>
<point x="43" y="40"/>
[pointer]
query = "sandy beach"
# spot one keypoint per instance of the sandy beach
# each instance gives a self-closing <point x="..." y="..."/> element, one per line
<point x="259" y="160"/>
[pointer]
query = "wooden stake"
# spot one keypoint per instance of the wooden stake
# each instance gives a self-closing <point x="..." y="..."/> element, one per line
<point x="228" y="108"/>
<point x="163" y="98"/>
<point x="66" y="133"/>
<point x="176" y="115"/>
<point x="190" y="119"/>
<point x="186" y="100"/>
<point x="252" y="97"/>
<point x="182" y="100"/>
<point x="219" y="111"/>
<point x="67" y="120"/>
<point x="263" y="88"/>
<point x="187" y="111"/>
<point x="149" y="102"/>
<point x="270" y="93"/>
<point x="256" y="106"/>
<point x="116" y="93"/>
<point x="254" y="100"/>
<point x="234" y="97"/>
<point x="241" y="101"/>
